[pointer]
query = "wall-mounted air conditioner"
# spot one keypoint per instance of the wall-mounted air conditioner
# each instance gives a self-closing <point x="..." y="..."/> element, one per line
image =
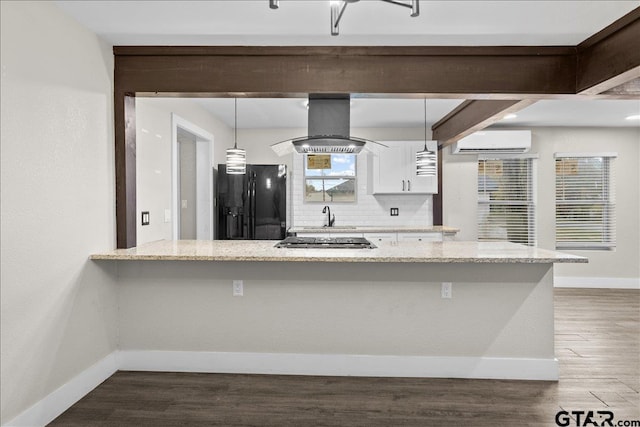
<point x="495" y="142"/>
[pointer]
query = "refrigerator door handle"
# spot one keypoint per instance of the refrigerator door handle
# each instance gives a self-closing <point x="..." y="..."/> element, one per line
<point x="253" y="207"/>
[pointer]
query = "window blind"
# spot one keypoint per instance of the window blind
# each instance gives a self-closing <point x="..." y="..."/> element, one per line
<point x="585" y="202"/>
<point x="506" y="207"/>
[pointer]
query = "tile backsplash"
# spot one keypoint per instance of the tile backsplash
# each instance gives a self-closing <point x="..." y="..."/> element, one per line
<point x="368" y="210"/>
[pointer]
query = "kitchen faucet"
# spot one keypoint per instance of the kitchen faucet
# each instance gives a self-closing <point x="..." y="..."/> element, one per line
<point x="330" y="220"/>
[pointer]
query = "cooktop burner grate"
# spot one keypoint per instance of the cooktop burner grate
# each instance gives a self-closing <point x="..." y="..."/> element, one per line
<point x="326" y="242"/>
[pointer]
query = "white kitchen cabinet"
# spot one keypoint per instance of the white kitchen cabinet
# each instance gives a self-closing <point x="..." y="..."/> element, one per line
<point x="381" y="237"/>
<point x="420" y="237"/>
<point x="314" y="235"/>
<point x="338" y="234"/>
<point x="392" y="169"/>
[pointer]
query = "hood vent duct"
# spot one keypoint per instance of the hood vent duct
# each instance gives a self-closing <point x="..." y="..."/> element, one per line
<point x="328" y="126"/>
<point x="328" y="129"/>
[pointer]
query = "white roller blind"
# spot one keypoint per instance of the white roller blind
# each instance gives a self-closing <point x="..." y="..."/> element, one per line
<point x="506" y="208"/>
<point x="585" y="202"/>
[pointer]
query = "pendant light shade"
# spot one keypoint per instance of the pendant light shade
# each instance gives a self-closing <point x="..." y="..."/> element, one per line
<point x="426" y="160"/>
<point x="236" y="161"/>
<point x="236" y="157"/>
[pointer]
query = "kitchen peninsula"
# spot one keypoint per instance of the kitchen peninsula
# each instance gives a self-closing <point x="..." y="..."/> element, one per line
<point x="430" y="309"/>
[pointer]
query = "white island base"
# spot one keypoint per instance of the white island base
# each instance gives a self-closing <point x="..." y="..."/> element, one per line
<point x="339" y="318"/>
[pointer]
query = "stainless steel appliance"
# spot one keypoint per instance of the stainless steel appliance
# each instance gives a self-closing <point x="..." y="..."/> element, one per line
<point x="252" y="206"/>
<point x="326" y="243"/>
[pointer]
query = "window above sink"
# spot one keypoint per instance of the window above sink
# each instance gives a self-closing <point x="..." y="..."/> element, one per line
<point x="330" y="178"/>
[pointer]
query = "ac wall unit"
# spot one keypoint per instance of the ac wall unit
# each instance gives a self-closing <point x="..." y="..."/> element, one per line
<point x="494" y="142"/>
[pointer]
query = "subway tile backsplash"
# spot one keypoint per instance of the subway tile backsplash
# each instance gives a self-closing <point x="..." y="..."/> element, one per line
<point x="368" y="210"/>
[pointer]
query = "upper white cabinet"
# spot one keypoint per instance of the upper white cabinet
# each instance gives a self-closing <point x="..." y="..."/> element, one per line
<point x="392" y="170"/>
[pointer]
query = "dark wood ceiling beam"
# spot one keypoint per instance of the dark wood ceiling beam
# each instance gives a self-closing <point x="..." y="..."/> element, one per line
<point x="472" y="116"/>
<point x="610" y="57"/>
<point x="476" y="71"/>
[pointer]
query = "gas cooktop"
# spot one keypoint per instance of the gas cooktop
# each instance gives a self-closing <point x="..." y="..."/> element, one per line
<point x="326" y="243"/>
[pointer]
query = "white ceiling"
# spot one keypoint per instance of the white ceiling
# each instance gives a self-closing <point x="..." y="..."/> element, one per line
<point x="261" y="113"/>
<point x="368" y="22"/>
<point x="265" y="113"/>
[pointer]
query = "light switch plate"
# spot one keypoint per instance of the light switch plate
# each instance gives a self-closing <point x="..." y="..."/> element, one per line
<point x="145" y="218"/>
<point x="394" y="211"/>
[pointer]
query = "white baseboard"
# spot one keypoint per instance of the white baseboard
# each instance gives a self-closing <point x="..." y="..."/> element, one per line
<point x="339" y="365"/>
<point x="47" y="409"/>
<point x="596" y="282"/>
<point x="61" y="399"/>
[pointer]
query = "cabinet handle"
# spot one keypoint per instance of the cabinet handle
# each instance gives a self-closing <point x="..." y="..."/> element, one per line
<point x="403" y="185"/>
<point x="409" y="189"/>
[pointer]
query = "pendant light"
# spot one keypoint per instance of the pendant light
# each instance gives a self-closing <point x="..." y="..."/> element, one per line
<point x="236" y="157"/>
<point x="426" y="160"/>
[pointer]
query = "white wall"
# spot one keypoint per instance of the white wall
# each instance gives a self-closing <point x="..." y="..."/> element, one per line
<point x="460" y="197"/>
<point x="153" y="157"/>
<point x="365" y="309"/>
<point x="58" y="309"/>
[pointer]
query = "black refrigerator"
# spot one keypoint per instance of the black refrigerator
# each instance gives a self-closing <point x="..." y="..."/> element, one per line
<point x="252" y="206"/>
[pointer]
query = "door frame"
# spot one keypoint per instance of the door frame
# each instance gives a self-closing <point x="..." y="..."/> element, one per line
<point x="204" y="179"/>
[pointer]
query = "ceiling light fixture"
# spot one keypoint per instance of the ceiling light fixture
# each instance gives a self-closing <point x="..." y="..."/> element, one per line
<point x="339" y="6"/>
<point x="426" y="160"/>
<point x="236" y="157"/>
<point x="510" y="116"/>
<point x="633" y="117"/>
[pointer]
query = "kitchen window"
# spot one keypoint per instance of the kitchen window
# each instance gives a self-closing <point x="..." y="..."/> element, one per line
<point x="330" y="178"/>
<point x="585" y="202"/>
<point x="506" y="202"/>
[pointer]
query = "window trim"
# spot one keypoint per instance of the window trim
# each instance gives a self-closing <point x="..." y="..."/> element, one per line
<point x="530" y="203"/>
<point x="607" y="202"/>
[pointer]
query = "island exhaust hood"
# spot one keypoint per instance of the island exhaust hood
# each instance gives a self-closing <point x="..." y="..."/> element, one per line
<point x="329" y="121"/>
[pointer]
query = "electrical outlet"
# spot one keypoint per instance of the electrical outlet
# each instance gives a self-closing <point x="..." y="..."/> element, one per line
<point x="394" y="211"/>
<point x="238" y="288"/>
<point x="145" y="218"/>
<point x="447" y="290"/>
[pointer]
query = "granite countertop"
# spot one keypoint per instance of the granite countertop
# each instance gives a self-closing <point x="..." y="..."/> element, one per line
<point x="264" y="250"/>
<point x="375" y="229"/>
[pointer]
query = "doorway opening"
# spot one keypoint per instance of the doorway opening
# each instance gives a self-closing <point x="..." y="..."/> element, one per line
<point x="191" y="181"/>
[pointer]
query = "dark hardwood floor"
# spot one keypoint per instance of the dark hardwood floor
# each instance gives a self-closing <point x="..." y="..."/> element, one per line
<point x="597" y="344"/>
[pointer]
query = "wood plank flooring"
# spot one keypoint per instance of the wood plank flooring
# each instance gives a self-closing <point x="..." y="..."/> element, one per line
<point x="597" y="344"/>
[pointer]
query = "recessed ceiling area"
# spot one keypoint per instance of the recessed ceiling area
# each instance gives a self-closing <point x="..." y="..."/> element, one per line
<point x="266" y="113"/>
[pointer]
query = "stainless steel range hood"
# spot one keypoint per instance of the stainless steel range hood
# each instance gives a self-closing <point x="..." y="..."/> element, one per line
<point x="328" y="128"/>
<point x="329" y="124"/>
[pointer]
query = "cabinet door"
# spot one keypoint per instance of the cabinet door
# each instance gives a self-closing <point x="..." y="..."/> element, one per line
<point x="420" y="184"/>
<point x="388" y="168"/>
<point x="393" y="169"/>
<point x="381" y="237"/>
<point x="314" y="234"/>
<point x="419" y="237"/>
